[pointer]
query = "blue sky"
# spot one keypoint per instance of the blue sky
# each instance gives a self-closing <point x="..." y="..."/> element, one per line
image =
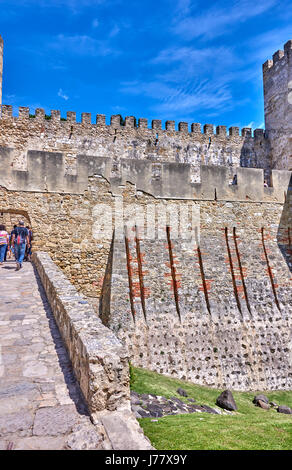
<point x="182" y="60"/>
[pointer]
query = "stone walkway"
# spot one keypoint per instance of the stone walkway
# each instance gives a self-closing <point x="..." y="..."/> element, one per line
<point x="41" y="406"/>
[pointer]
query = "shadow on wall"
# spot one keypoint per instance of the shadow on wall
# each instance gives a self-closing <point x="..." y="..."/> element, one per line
<point x="256" y="152"/>
<point x="105" y="298"/>
<point x="73" y="387"/>
<point x="284" y="236"/>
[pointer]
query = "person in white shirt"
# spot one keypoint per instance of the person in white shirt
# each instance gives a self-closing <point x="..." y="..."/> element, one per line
<point x="4" y="243"/>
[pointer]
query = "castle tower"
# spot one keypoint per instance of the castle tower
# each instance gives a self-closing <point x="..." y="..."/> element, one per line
<point x="277" y="78"/>
<point x="1" y="68"/>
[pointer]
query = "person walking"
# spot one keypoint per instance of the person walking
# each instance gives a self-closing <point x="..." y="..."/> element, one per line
<point x="19" y="241"/>
<point x="28" y="246"/>
<point x="4" y="242"/>
<point x="10" y="242"/>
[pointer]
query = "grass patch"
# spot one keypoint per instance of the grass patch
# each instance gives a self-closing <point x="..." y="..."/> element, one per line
<point x="250" y="428"/>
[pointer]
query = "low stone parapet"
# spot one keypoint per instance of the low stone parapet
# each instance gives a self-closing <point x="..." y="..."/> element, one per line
<point x="46" y="172"/>
<point x="99" y="359"/>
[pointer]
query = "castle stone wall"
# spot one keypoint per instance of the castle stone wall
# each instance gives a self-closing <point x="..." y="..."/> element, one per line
<point x="277" y="76"/>
<point x="53" y="134"/>
<point x="62" y="211"/>
<point x="98" y="358"/>
<point x="219" y="315"/>
<point x="46" y="172"/>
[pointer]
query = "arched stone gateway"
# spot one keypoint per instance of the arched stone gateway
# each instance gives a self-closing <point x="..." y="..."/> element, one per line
<point x="10" y="217"/>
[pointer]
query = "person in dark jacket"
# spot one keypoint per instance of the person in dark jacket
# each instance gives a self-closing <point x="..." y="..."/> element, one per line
<point x="28" y="246"/>
<point x="20" y="240"/>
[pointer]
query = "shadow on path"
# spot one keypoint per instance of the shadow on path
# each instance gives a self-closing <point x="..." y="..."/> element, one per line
<point x="74" y="390"/>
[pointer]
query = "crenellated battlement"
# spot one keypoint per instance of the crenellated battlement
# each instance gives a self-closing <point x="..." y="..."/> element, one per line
<point x="138" y="138"/>
<point x="280" y="58"/>
<point x="46" y="173"/>
<point x="129" y="122"/>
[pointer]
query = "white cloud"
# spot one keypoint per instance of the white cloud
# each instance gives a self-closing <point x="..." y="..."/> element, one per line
<point x="195" y="59"/>
<point x="74" y="7"/>
<point x="114" y="31"/>
<point x="183" y="7"/>
<point x="183" y="99"/>
<point x="16" y="101"/>
<point x="10" y="99"/>
<point x="82" y="45"/>
<point x="192" y="79"/>
<point x="190" y="66"/>
<point x="72" y="4"/>
<point x="254" y="125"/>
<point x="219" y="20"/>
<point x="118" y="109"/>
<point x="264" y="45"/>
<point x="95" y="23"/>
<point x="62" y="94"/>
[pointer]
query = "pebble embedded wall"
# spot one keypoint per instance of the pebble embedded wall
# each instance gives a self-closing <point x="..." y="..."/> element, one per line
<point x="218" y="314"/>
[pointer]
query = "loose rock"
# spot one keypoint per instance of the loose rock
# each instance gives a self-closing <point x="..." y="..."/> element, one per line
<point x="284" y="409"/>
<point x="262" y="398"/>
<point x="210" y="410"/>
<point x="226" y="401"/>
<point x="263" y="405"/>
<point x="153" y="406"/>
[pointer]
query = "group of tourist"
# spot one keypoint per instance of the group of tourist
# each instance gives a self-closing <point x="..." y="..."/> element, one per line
<point x="17" y="243"/>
